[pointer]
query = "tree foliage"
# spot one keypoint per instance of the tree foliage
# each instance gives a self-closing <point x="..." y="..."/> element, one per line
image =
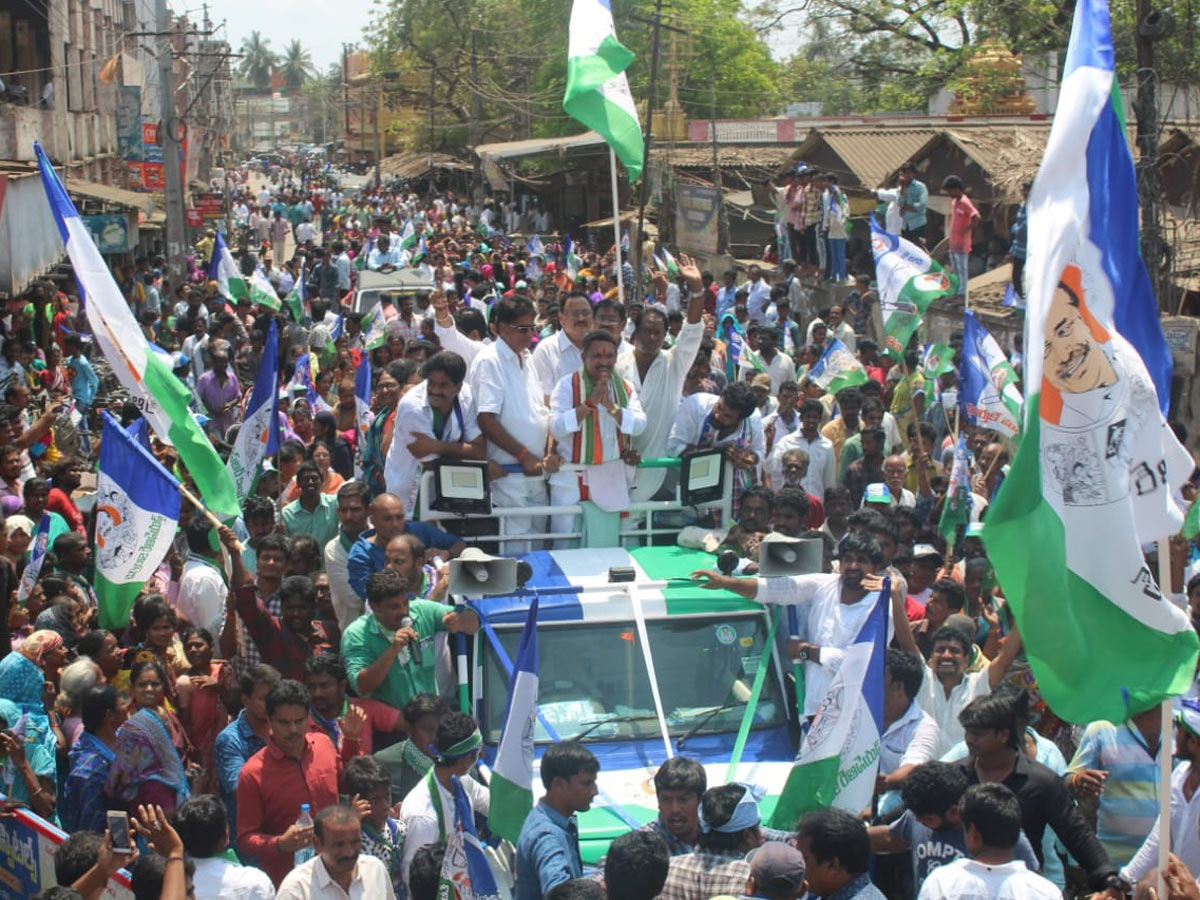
<point x="894" y="53"/>
<point x="258" y="61"/>
<point x="512" y="55"/>
<point x="295" y="65"/>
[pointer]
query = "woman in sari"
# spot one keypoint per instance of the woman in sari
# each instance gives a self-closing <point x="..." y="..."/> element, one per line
<point x="203" y="693"/>
<point x="152" y="748"/>
<point x="322" y="455"/>
<point x="325" y="430"/>
<point x="374" y="455"/>
<point x="29" y="677"/>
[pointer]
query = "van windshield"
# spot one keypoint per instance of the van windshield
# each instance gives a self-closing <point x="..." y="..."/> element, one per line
<point x="594" y="686"/>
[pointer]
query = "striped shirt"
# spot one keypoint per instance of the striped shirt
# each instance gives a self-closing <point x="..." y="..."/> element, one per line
<point x="1129" y="802"/>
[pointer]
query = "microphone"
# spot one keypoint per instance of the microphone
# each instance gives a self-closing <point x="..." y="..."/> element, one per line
<point x="414" y="647"/>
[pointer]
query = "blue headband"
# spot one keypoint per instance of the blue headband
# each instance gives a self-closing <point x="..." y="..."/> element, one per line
<point x="745" y="814"/>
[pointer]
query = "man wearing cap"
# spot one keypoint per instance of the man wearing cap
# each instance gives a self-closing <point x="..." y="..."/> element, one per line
<point x="730" y="827"/>
<point x="428" y="811"/>
<point x="776" y="873"/>
<point x="1185" y="804"/>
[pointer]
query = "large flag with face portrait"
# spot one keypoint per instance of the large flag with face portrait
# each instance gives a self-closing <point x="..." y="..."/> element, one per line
<point x="1096" y="474"/>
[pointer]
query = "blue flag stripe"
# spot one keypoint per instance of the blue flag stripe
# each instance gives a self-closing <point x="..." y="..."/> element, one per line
<point x="143" y="478"/>
<point x="56" y="194"/>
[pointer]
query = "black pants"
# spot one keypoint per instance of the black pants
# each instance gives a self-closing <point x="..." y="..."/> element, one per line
<point x="1018" y="276"/>
<point x="916" y="235"/>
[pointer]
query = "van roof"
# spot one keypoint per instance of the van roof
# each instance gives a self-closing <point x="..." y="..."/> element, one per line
<point x="573" y="586"/>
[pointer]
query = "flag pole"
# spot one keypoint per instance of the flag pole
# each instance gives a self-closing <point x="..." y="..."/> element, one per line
<point x="206" y="512"/>
<point x="612" y="168"/>
<point x="1165" y="742"/>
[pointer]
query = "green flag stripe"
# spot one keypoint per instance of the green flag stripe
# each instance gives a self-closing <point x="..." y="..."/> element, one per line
<point x="809" y="787"/>
<point x="195" y="450"/>
<point x="1086" y="652"/>
<point x="116" y="600"/>
<point x="590" y="72"/>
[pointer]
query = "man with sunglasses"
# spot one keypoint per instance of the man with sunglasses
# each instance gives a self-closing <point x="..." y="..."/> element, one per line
<point x="513" y="416"/>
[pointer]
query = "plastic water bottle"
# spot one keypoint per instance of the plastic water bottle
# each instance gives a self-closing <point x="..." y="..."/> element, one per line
<point x="304" y="854"/>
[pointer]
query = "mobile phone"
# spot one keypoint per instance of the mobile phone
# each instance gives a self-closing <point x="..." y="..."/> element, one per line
<point x="118" y="830"/>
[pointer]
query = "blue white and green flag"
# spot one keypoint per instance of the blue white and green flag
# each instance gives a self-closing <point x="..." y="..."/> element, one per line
<point x="1098" y="470"/>
<point x="597" y="90"/>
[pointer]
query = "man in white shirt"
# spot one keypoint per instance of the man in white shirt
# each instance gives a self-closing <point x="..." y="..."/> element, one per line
<point x="340" y="869"/>
<point x="949" y="687"/>
<point x="730" y="421"/>
<point x="342" y="261"/>
<point x="594" y="414"/>
<point x="658" y="374"/>
<point x="203" y="827"/>
<point x="352" y="522"/>
<point x="909" y="733"/>
<point x="436" y="419"/>
<point x="455" y="334"/>
<point x="991" y="820"/>
<point x="203" y="586"/>
<point x="561" y="355"/>
<point x="428" y="810"/>
<point x="822" y="472"/>
<point x="305" y="232"/>
<point x="759" y="297"/>
<point x="780" y="366"/>
<point x="833" y="609"/>
<point x="512" y="415"/>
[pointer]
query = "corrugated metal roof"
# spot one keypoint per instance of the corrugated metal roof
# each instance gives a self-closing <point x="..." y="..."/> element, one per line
<point x="106" y="193"/>
<point x="868" y="154"/>
<point x="535" y="146"/>
<point x="412" y="165"/>
<point x="731" y="156"/>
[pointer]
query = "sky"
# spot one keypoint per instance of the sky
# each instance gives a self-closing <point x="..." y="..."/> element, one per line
<point x="322" y="26"/>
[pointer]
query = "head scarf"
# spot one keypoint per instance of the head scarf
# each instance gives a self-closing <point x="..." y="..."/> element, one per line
<point x="745" y="814"/>
<point x="35" y="647"/>
<point x="145" y="752"/>
<point x="455" y="752"/>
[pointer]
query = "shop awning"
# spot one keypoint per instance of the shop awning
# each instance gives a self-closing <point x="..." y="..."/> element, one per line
<point x="106" y="193"/>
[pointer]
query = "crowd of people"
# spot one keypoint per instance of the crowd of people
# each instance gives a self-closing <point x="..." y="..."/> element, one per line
<point x="278" y="715"/>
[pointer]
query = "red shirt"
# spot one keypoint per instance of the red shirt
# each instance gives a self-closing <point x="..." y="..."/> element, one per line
<point x="816" y="513"/>
<point x="59" y="502"/>
<point x="271" y="789"/>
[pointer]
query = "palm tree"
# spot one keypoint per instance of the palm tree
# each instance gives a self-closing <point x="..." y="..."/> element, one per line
<point x="296" y="66"/>
<point x="258" y="60"/>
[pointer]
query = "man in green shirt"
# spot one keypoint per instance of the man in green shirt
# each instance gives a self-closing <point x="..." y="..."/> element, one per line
<point x="378" y="648"/>
<point x="314" y="512"/>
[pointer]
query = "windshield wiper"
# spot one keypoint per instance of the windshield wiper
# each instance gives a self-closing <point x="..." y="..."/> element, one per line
<point x="615" y="720"/>
<point x="707" y="717"/>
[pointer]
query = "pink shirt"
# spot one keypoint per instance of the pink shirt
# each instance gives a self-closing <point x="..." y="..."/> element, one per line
<point x="962" y="212"/>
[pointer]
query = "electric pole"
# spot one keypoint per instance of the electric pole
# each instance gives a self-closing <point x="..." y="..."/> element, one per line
<point x="1152" y="25"/>
<point x="168" y="137"/>
<point x="657" y="23"/>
